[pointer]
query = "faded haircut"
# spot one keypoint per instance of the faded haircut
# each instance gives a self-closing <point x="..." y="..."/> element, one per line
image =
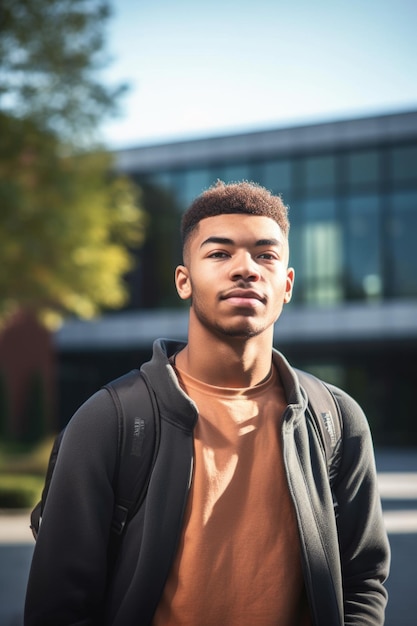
<point x="240" y="197"/>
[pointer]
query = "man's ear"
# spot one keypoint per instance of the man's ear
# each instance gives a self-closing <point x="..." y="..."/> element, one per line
<point x="289" y="285"/>
<point x="182" y="282"/>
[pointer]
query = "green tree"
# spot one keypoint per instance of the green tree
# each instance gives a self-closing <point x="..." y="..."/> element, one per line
<point x="67" y="221"/>
<point x="52" y="53"/>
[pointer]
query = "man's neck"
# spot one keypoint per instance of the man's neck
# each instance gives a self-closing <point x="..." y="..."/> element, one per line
<point x="227" y="362"/>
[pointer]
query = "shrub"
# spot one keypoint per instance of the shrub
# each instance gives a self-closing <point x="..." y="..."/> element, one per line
<point x="20" y="490"/>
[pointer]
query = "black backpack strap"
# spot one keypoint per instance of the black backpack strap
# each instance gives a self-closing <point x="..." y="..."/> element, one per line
<point x="326" y="414"/>
<point x="138" y="440"/>
<point x="37" y="512"/>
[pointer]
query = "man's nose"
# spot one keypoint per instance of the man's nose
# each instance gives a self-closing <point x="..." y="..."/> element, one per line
<point x="245" y="267"/>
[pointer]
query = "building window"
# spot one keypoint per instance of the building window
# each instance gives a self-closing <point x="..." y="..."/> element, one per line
<point x="401" y="248"/>
<point x="162" y="180"/>
<point x="362" y="168"/>
<point x="276" y="176"/>
<point x="404" y="164"/>
<point x="316" y="252"/>
<point x="320" y="173"/>
<point x="363" y="272"/>
<point x="235" y="172"/>
<point x="195" y="182"/>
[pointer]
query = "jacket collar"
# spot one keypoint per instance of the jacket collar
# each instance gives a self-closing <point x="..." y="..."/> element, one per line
<point x="172" y="400"/>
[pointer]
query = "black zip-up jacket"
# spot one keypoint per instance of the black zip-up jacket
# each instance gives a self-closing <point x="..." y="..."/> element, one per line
<point x="345" y="562"/>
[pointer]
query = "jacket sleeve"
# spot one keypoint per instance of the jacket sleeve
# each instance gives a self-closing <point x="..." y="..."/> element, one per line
<point x="67" y="579"/>
<point x="364" y="547"/>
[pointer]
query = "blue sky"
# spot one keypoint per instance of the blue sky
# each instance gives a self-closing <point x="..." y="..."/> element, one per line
<point x="207" y="68"/>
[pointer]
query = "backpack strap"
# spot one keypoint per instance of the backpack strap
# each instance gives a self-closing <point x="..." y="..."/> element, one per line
<point x="37" y="512"/>
<point x="325" y="411"/>
<point x="138" y="439"/>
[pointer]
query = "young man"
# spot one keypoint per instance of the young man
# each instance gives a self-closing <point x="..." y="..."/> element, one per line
<point x="238" y="527"/>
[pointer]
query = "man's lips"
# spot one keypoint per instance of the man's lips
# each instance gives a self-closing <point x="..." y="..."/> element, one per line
<point x="243" y="296"/>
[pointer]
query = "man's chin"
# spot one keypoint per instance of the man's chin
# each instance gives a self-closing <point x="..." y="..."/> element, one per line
<point x="240" y="332"/>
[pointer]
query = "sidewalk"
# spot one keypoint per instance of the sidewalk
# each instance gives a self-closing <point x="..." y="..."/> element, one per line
<point x="14" y="527"/>
<point x="393" y="486"/>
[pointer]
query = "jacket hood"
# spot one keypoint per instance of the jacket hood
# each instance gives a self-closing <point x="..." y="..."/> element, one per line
<point x="172" y="401"/>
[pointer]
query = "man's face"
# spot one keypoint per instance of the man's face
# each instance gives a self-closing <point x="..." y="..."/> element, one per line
<point x="236" y="273"/>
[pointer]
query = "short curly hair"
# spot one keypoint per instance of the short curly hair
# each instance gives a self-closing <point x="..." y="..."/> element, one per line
<point x="240" y="197"/>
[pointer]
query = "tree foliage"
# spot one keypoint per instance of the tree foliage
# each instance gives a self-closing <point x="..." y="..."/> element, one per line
<point x="67" y="222"/>
<point x="51" y="56"/>
<point x="66" y="226"/>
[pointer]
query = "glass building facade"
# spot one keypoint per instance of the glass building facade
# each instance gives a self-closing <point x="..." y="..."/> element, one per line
<point x="353" y="213"/>
<point x="351" y="188"/>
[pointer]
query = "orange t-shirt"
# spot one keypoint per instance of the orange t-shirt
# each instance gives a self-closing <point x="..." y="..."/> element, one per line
<point x="238" y="561"/>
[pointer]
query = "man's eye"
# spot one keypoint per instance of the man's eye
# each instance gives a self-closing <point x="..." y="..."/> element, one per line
<point x="217" y="255"/>
<point x="268" y="256"/>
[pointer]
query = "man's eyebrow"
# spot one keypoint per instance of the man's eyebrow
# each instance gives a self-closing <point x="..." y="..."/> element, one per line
<point x="269" y="242"/>
<point x="229" y="242"/>
<point x="221" y="240"/>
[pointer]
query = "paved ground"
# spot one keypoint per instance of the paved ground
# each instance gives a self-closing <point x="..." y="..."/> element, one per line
<point x="397" y="471"/>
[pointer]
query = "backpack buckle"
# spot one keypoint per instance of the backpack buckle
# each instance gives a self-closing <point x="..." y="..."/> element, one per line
<point x="119" y="520"/>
